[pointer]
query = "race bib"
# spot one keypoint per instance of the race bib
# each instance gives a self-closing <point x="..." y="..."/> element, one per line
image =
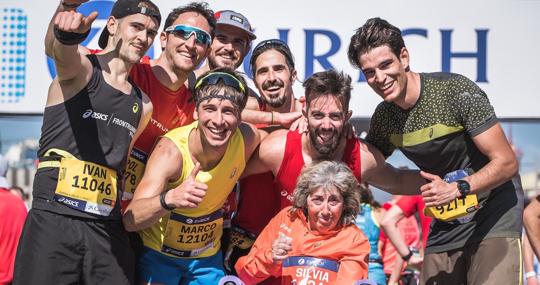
<point x="242" y="238"/>
<point x="86" y="186"/>
<point x="306" y="270"/>
<point x="453" y="210"/>
<point x="191" y="236"/>
<point x="134" y="172"/>
<point x="458" y="208"/>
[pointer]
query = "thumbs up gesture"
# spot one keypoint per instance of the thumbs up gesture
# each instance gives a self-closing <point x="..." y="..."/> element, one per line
<point x="281" y="247"/>
<point x="74" y="22"/>
<point x="190" y="193"/>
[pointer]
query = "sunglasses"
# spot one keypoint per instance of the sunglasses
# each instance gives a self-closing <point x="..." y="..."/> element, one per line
<point x="185" y="32"/>
<point x="214" y="77"/>
<point x="273" y="43"/>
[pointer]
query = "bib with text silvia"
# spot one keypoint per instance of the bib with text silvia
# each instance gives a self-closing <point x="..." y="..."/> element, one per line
<point x="309" y="270"/>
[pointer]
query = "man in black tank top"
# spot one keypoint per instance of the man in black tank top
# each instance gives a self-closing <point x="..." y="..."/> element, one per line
<point x="73" y="233"/>
<point x="444" y="123"/>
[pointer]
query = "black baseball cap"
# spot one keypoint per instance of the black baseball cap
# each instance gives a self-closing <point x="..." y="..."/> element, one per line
<point x="123" y="8"/>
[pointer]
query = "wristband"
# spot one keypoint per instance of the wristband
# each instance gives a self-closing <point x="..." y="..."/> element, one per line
<point x="408" y="256"/>
<point x="69" y="6"/>
<point x="69" y="38"/>
<point x="530" y="274"/>
<point x="163" y="203"/>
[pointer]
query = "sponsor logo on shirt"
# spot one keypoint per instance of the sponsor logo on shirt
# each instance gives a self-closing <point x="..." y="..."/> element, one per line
<point x="158" y="125"/>
<point x="95" y="115"/>
<point x="105" y="117"/>
<point x="233" y="173"/>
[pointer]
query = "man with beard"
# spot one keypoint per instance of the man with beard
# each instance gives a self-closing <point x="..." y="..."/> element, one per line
<point x="274" y="73"/>
<point x="232" y="42"/>
<point x="285" y="153"/>
<point x="74" y="233"/>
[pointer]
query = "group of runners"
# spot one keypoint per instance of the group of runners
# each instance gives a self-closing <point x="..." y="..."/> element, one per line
<point x="168" y="152"/>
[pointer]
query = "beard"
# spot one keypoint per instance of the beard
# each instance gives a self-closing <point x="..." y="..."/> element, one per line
<point x="325" y="150"/>
<point x="213" y="63"/>
<point x="275" y="102"/>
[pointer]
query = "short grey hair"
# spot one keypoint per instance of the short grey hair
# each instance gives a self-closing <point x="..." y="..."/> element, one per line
<point x="326" y="174"/>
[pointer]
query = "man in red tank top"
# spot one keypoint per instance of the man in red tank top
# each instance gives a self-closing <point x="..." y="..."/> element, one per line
<point x="285" y="153"/>
<point x="274" y="74"/>
<point x="327" y="107"/>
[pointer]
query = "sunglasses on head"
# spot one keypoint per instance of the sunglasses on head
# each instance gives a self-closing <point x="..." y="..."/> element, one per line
<point x="274" y="43"/>
<point x="214" y="77"/>
<point x="185" y="32"/>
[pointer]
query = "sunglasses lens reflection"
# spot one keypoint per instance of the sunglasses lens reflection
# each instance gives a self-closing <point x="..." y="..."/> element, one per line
<point x="185" y="32"/>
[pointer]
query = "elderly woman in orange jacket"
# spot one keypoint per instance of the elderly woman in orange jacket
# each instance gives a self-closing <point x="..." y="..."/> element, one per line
<point x="315" y="241"/>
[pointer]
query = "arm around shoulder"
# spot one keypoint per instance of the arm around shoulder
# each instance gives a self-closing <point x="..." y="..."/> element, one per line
<point x="269" y="154"/>
<point x="376" y="171"/>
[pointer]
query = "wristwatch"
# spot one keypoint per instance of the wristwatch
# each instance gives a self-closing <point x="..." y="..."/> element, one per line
<point x="463" y="187"/>
<point x="408" y="256"/>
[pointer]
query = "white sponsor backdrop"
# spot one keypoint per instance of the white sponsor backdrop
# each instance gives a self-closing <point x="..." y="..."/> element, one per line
<point x="497" y="40"/>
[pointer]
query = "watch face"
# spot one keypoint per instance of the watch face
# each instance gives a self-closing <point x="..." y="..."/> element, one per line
<point x="463" y="187"/>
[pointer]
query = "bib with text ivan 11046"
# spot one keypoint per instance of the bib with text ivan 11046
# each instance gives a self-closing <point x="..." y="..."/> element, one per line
<point x="309" y="270"/>
<point x="86" y="186"/>
<point x="458" y="208"/>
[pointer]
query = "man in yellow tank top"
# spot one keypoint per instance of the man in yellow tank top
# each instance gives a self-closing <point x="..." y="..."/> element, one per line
<point x="191" y="171"/>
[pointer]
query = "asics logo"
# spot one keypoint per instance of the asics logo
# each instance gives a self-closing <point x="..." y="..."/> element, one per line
<point x="94" y="115"/>
<point x="68" y="202"/>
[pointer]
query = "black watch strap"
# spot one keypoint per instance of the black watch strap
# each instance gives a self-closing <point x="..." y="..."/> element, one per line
<point x="163" y="203"/>
<point x="464" y="187"/>
<point x="408" y="256"/>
